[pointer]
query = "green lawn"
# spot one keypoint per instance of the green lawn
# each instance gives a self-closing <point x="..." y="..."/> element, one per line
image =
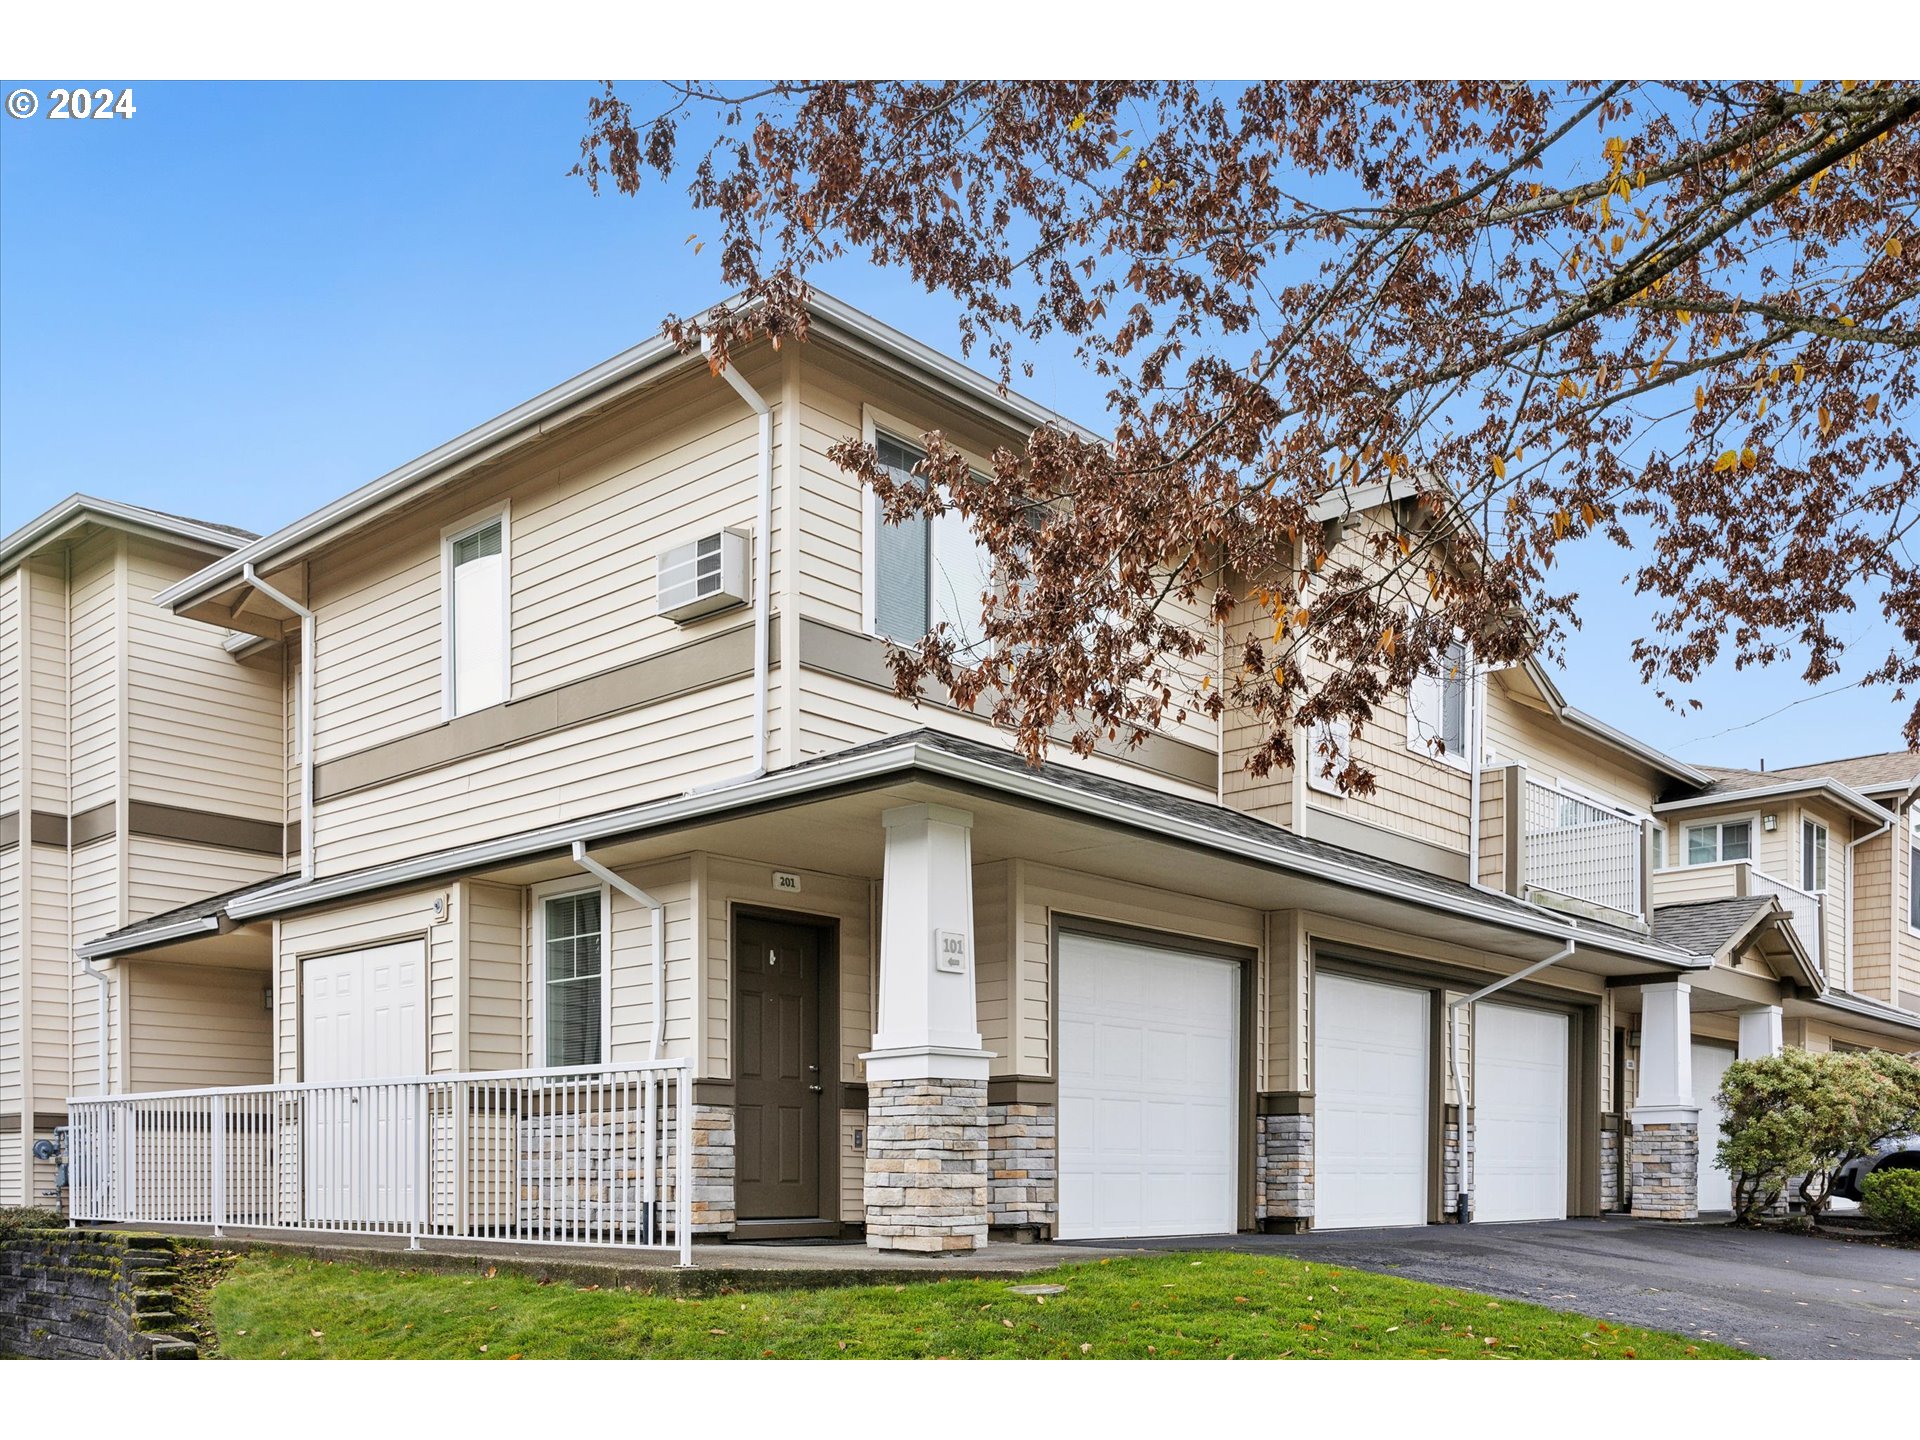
<point x="1210" y="1306"/>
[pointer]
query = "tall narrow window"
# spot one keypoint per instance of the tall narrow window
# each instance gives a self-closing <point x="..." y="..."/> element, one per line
<point x="476" y="618"/>
<point x="928" y="570"/>
<point x="572" y="978"/>
<point x="1813" y="856"/>
<point x="1437" y="709"/>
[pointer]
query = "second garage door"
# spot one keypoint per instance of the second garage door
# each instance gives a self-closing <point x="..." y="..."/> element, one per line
<point x="1520" y="1113"/>
<point x="1149" y="1066"/>
<point x="1371" y="1123"/>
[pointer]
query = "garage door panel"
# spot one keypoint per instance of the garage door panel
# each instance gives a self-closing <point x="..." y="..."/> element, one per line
<point x="1371" y="1120"/>
<point x="1149" y="1075"/>
<point x="1520" y="1113"/>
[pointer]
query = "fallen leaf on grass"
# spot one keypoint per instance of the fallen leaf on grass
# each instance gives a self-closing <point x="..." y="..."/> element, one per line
<point x="716" y="1332"/>
<point x="1086" y="1349"/>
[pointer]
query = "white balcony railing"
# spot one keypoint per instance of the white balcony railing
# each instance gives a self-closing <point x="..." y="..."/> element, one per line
<point x="1806" y="910"/>
<point x="587" y="1156"/>
<point x="1579" y="849"/>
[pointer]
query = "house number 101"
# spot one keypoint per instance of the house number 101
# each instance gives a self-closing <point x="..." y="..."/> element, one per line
<point x="950" y="951"/>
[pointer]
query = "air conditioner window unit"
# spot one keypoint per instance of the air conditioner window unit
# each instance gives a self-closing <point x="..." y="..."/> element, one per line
<point x="703" y="576"/>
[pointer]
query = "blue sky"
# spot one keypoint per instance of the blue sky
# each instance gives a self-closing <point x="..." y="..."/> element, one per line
<point x="248" y="299"/>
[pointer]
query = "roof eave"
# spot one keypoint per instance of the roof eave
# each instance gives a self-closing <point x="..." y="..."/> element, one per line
<point x="1845" y="795"/>
<point x="76" y="509"/>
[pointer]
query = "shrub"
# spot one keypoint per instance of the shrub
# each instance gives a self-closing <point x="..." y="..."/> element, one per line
<point x="1892" y="1199"/>
<point x="17" y="1221"/>
<point x="1804" y="1114"/>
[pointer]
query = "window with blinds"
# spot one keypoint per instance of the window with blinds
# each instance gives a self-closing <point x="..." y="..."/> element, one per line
<point x="573" y="978"/>
<point x="928" y="570"/>
<point x="476" y="619"/>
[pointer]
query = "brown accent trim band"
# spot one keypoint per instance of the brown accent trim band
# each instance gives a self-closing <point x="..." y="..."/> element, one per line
<point x="1285" y="1102"/>
<point x="1022" y="1090"/>
<point x="52" y="828"/>
<point x="9" y="1124"/>
<point x="1610" y="1123"/>
<point x="202" y="827"/>
<point x="853" y="1095"/>
<point x="1370" y="839"/>
<point x="862" y="659"/>
<point x="49" y="1119"/>
<point x="9" y="830"/>
<point x="99" y="823"/>
<point x="697" y="665"/>
<point x="713" y="1092"/>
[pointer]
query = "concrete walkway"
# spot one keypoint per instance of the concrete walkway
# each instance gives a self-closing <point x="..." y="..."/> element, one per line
<point x="1787" y="1296"/>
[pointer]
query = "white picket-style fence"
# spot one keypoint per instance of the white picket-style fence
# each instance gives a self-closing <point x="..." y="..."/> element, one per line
<point x="1580" y="849"/>
<point x="592" y="1155"/>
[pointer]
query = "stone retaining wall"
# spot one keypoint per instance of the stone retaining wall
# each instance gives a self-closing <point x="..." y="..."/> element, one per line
<point x="89" y="1295"/>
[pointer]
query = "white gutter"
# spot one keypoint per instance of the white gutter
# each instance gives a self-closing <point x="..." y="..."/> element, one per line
<point x="151" y="936"/>
<point x="762" y="563"/>
<point x="307" y="668"/>
<point x="1465" y="1202"/>
<point x="639" y="897"/>
<point x="1845" y="794"/>
<point x="105" y="982"/>
<point x="797" y="782"/>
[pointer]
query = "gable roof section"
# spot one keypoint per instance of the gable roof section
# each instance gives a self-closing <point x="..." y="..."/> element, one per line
<point x="1890" y="771"/>
<point x="1732" y="785"/>
<point x="830" y="319"/>
<point x="78" y="509"/>
<point x="1727" y="928"/>
<point x="206" y="916"/>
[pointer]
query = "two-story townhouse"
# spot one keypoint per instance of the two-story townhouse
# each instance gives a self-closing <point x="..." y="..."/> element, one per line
<point x="142" y="765"/>
<point x="626" y="883"/>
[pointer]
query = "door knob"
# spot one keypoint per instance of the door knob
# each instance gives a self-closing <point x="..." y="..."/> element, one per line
<point x="814" y="1088"/>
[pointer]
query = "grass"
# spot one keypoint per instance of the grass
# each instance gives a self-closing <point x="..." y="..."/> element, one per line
<point x="1210" y="1306"/>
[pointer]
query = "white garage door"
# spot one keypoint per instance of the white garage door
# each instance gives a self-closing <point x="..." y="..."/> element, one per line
<point x="1149" y="1066"/>
<point x="1371" y="1123"/>
<point x="1520" y="1114"/>
<point x="1709" y="1064"/>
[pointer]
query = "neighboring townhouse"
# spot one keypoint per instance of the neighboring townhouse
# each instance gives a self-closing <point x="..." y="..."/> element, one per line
<point x="627" y="901"/>
<point x="142" y="765"/>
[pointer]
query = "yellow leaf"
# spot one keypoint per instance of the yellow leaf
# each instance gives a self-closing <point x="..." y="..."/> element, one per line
<point x="1499" y="468"/>
<point x="1073" y="125"/>
<point x="1386" y="640"/>
<point x="1799" y="372"/>
<point x="1846" y="322"/>
<point x="1301" y="617"/>
<point x="1405" y="543"/>
<point x="1685" y="317"/>
<point x="1726" y="462"/>
<point x="1894" y="246"/>
<point x="1873" y="404"/>
<point x="1748" y="458"/>
<point x="1699" y="397"/>
<point x="1561" y="521"/>
<point x="1826" y="420"/>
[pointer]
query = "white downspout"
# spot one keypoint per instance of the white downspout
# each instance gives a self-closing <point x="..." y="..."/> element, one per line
<point x="306" y="712"/>
<point x="640" y="897"/>
<point x="105" y="982"/>
<point x="1454" y="1007"/>
<point x="762" y="567"/>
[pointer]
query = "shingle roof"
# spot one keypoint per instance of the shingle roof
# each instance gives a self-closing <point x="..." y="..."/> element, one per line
<point x="1705" y="926"/>
<point x="1888" y="770"/>
<point x="196" y="910"/>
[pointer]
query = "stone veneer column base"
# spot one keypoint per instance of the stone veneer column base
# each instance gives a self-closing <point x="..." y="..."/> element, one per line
<point x="1284" y="1189"/>
<point x="1450" y="1167"/>
<point x="926" y="1174"/>
<point x="1664" y="1163"/>
<point x="1609" y="1169"/>
<point x="713" y="1170"/>
<point x="1023" y="1169"/>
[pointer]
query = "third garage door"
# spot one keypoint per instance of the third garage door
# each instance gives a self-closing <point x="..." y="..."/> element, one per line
<point x="1371" y="1121"/>
<point x="1520" y="1113"/>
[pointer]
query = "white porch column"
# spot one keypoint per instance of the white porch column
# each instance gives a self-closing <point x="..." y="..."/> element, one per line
<point x="1665" y="1149"/>
<point x="926" y="1171"/>
<point x="1760" y="1032"/>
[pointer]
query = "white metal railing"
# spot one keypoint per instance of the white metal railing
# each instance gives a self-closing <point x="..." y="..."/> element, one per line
<point x="593" y="1155"/>
<point x="1806" y="910"/>
<point x="1578" y="848"/>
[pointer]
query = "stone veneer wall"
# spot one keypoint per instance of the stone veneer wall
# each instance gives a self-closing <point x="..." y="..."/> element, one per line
<point x="1450" y="1167"/>
<point x="713" y="1170"/>
<point x="88" y="1295"/>
<point x="1664" y="1161"/>
<point x="1023" y="1168"/>
<point x="1283" y="1192"/>
<point x="926" y="1175"/>
<point x="1609" y="1168"/>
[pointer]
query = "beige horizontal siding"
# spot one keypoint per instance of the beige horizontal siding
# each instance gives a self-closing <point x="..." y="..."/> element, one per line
<point x="12" y="651"/>
<point x="48" y="670"/>
<point x="1520" y="730"/>
<point x="192" y="1026"/>
<point x="495" y="992"/>
<point x="165" y="874"/>
<point x="97" y="655"/>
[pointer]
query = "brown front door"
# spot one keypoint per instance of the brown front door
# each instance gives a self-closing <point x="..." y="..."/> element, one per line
<point x="777" y="1076"/>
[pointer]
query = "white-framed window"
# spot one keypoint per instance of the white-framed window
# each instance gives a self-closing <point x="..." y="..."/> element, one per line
<point x="1711" y="841"/>
<point x="1813" y="856"/>
<point x="1913" y="869"/>
<point x="922" y="571"/>
<point x="475" y="611"/>
<point x="1437" y="709"/>
<point x="1329" y="735"/>
<point x="572" y="984"/>
<point x="1658" y="839"/>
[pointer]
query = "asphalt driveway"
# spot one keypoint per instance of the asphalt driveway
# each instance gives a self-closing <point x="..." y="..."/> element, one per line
<point x="1787" y="1296"/>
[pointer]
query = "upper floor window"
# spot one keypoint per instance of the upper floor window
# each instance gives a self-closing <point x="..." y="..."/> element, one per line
<point x="1437" y="709"/>
<point x="474" y="562"/>
<point x="1813" y="856"/>
<point x="1717" y="840"/>
<point x="1329" y="743"/>
<point x="927" y="569"/>
<point x="573" y="989"/>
